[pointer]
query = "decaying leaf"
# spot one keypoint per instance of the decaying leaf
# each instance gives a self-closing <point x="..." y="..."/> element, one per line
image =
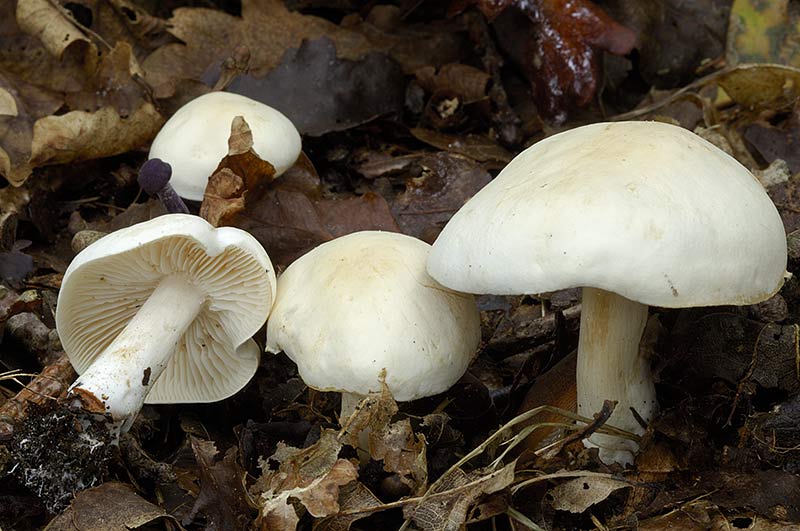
<point x="50" y="23"/>
<point x="266" y="28"/>
<point x="311" y="476"/>
<point x="112" y="506"/>
<point x="222" y="498"/>
<point x="355" y="502"/>
<point x="763" y="32"/>
<point x="402" y="452"/>
<point x="287" y="216"/>
<point x="675" y="38"/>
<point x="446" y="182"/>
<point x="563" y="52"/>
<point x="345" y="92"/>
<point x="445" y="508"/>
<point x="577" y="495"/>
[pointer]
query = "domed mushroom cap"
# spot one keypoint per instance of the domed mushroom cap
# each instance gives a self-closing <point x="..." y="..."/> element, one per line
<point x="363" y="303"/>
<point x="195" y="139"/>
<point x="647" y="210"/>
<point x="111" y="279"/>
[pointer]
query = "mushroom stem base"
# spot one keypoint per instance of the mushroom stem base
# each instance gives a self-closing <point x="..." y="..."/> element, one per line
<point x="123" y="373"/>
<point x="611" y="366"/>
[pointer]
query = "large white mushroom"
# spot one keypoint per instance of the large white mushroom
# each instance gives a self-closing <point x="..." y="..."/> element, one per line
<point x="164" y="312"/>
<point x="195" y="139"/>
<point x="636" y="213"/>
<point x="363" y="304"/>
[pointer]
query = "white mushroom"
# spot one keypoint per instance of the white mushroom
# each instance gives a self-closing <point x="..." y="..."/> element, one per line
<point x="636" y="213"/>
<point x="164" y="312"/>
<point x="195" y="139"/>
<point x="363" y="303"/>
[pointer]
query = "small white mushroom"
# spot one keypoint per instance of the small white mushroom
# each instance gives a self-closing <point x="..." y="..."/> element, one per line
<point x="636" y="213"/>
<point x="164" y="312"/>
<point x="195" y="139"/>
<point x="363" y="304"/>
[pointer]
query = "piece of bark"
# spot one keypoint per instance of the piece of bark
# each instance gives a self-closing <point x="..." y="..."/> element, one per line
<point x="51" y="383"/>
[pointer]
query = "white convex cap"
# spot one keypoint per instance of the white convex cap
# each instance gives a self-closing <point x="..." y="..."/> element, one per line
<point x="362" y="303"/>
<point x="647" y="210"/>
<point x="635" y="213"/>
<point x="224" y="274"/>
<point x="195" y="139"/>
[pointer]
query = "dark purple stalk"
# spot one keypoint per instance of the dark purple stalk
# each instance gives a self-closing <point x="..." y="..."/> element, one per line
<point x="154" y="178"/>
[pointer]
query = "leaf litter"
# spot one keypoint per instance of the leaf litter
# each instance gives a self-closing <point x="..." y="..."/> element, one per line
<point x="407" y="111"/>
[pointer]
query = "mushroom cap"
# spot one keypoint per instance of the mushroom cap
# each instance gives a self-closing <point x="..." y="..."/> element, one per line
<point x="647" y="210"/>
<point x="195" y="139"/>
<point x="362" y="303"/>
<point x="108" y="281"/>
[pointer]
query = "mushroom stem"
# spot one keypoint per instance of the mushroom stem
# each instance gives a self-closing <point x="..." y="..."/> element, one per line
<point x="612" y="367"/>
<point x="123" y="373"/>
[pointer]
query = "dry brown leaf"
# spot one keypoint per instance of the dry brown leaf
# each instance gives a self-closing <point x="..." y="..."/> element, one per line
<point x="403" y="453"/>
<point x="446" y="508"/>
<point x="446" y="182"/>
<point x="266" y="28"/>
<point x="476" y="147"/>
<point x="50" y="23"/>
<point x="577" y="495"/>
<point x="355" y="502"/>
<point x="467" y="82"/>
<point x="373" y="414"/>
<point x="80" y="135"/>
<point x="312" y="476"/>
<point x="222" y="498"/>
<point x="112" y="506"/>
<point x="239" y="173"/>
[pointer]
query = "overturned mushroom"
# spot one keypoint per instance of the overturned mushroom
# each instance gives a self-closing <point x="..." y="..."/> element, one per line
<point x="163" y="312"/>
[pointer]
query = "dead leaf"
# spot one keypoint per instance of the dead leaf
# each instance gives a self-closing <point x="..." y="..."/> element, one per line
<point x="222" y="498"/>
<point x="467" y="82"/>
<point x="445" y="509"/>
<point x="345" y="93"/>
<point x="80" y="135"/>
<point x="446" y="182"/>
<point x="577" y="495"/>
<point x="312" y="476"/>
<point x="240" y="171"/>
<point x="266" y="28"/>
<point x="355" y="502"/>
<point x="112" y="506"/>
<point x="763" y="32"/>
<point x="50" y="23"/>
<point x="476" y="147"/>
<point x="403" y="453"/>
<point x="564" y="41"/>
<point x="675" y="38"/>
<point x="759" y="86"/>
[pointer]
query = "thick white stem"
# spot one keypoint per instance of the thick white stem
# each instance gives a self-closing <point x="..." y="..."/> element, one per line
<point x="611" y="367"/>
<point x="123" y="373"/>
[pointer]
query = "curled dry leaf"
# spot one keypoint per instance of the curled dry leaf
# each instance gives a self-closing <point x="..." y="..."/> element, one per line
<point x="50" y="23"/>
<point x="287" y="216"/>
<point x="403" y="453"/>
<point x="311" y="476"/>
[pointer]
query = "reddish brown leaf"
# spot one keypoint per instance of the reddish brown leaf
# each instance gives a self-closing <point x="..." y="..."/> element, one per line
<point x="564" y="49"/>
